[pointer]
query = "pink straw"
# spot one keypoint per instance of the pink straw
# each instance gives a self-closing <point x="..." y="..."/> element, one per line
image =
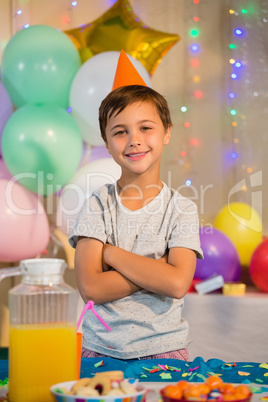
<point x="90" y="305"/>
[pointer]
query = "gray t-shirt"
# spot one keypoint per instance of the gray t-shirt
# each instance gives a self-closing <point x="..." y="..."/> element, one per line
<point x="143" y="323"/>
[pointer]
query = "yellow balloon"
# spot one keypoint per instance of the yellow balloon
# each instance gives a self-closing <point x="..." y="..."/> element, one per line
<point x="69" y="251"/>
<point x="119" y="28"/>
<point x="242" y="224"/>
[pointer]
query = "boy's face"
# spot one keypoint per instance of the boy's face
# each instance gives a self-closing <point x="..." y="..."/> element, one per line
<point x="136" y="137"/>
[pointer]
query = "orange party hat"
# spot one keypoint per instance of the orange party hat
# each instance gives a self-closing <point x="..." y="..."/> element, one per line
<point x="126" y="74"/>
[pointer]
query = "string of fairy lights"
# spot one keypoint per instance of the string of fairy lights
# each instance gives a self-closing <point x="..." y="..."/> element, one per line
<point x="240" y="90"/>
<point x="193" y="92"/>
<point x="247" y="94"/>
<point x="236" y="82"/>
<point x="238" y="62"/>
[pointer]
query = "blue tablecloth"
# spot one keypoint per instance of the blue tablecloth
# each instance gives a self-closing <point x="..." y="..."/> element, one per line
<point x="197" y="370"/>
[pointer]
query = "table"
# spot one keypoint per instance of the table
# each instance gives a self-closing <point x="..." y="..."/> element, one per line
<point x="197" y="371"/>
<point x="228" y="327"/>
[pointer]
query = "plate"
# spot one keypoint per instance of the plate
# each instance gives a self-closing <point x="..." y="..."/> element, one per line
<point x="139" y="396"/>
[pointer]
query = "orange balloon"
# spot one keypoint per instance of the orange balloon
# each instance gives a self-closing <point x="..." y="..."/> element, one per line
<point x="119" y="28"/>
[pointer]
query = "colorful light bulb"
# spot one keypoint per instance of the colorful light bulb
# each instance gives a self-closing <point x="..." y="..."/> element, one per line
<point x="232" y="95"/>
<point x="195" y="62"/>
<point x="238" y="32"/>
<point x="198" y="94"/>
<point x="194" y="32"/>
<point x="195" y="48"/>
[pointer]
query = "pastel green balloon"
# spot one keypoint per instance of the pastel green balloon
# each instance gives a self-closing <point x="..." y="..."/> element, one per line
<point x="38" y="66"/>
<point x="42" y="147"/>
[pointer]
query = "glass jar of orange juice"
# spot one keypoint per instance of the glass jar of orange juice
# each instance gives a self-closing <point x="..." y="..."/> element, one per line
<point x="42" y="347"/>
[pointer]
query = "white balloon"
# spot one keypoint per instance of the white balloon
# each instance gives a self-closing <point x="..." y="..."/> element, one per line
<point x="91" y="84"/>
<point x="86" y="180"/>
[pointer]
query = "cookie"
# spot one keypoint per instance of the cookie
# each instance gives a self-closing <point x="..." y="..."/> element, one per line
<point x="115" y="375"/>
<point x="87" y="391"/>
<point x="84" y="382"/>
<point x="101" y="383"/>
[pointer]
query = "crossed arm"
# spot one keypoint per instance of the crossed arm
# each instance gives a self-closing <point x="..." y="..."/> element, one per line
<point x="170" y="275"/>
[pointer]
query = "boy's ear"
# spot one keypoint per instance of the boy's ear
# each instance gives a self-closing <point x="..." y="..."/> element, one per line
<point x="107" y="147"/>
<point x="167" y="135"/>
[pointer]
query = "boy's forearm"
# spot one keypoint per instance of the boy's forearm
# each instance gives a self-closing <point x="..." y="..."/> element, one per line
<point x="93" y="283"/>
<point x="154" y="275"/>
<point x="108" y="286"/>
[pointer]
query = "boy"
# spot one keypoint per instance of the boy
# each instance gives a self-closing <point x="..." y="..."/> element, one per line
<point x="136" y="240"/>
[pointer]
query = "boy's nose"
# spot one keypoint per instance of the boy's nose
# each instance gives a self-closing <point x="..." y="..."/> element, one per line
<point x="135" y="139"/>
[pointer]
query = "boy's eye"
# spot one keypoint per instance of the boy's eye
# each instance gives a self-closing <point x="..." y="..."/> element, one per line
<point x="145" y="128"/>
<point x="120" y="132"/>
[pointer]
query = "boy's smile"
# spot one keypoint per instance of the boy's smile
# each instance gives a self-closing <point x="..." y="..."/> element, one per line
<point x="136" y="137"/>
<point x="136" y="156"/>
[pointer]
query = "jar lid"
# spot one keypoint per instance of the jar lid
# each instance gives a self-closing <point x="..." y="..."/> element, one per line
<point x="42" y="270"/>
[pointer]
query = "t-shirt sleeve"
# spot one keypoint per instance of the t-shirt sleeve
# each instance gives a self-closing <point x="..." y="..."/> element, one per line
<point x="185" y="230"/>
<point x="89" y="222"/>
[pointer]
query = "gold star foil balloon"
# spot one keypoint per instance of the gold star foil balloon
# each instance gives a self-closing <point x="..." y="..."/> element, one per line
<point x="119" y="28"/>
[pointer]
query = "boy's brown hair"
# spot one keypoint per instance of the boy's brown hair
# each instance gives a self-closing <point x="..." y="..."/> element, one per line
<point x="120" y="98"/>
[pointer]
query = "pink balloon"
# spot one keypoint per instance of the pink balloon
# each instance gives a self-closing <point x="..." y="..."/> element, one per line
<point x="4" y="172"/>
<point x="23" y="221"/>
<point x="6" y="110"/>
